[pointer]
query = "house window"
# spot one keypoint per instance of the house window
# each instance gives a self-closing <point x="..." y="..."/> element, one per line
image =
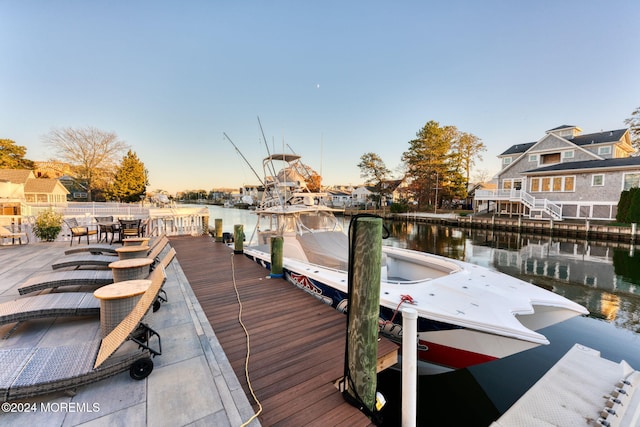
<point x="604" y="150"/>
<point x="557" y="183"/>
<point x="506" y="184"/>
<point x="631" y="180"/>
<point x="567" y="154"/>
<point x="506" y="161"/>
<point x="597" y="180"/>
<point x="533" y="157"/>
<point x="546" y="184"/>
<point x="535" y="185"/>
<point x="550" y="158"/>
<point x="569" y="183"/>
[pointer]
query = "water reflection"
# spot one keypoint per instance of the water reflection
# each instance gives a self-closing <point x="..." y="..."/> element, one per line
<point x="602" y="276"/>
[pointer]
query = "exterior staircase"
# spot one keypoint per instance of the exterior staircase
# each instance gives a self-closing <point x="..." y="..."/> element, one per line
<point x="538" y="208"/>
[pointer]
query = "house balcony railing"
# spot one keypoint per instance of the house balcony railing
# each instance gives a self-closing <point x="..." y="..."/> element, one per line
<point x="513" y="195"/>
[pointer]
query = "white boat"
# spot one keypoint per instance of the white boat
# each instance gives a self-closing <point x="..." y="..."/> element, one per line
<point x="468" y="314"/>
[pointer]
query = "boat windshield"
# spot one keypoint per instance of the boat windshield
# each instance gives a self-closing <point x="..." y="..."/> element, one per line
<point x="318" y="221"/>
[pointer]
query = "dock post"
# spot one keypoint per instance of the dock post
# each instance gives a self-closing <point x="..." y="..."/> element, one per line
<point x="238" y="239"/>
<point x="205" y="225"/>
<point x="365" y="254"/>
<point x="633" y="232"/>
<point x="276" y="256"/>
<point x="409" y="366"/>
<point x="218" y="223"/>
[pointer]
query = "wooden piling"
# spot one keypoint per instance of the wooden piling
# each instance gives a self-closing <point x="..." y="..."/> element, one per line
<point x="276" y="256"/>
<point x="364" y="309"/>
<point x="218" y="223"/>
<point x="238" y="238"/>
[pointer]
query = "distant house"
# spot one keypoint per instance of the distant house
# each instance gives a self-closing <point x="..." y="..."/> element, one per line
<point x="565" y="174"/>
<point x="339" y="198"/>
<point x="362" y="195"/>
<point x="22" y="186"/>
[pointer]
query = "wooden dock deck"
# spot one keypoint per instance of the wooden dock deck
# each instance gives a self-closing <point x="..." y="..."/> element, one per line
<point x="296" y="342"/>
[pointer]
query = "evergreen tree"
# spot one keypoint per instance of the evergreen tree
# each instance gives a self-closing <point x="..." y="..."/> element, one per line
<point x="12" y="156"/>
<point x="131" y="180"/>
<point x="633" y="216"/>
<point x="429" y="163"/>
<point x="623" y="206"/>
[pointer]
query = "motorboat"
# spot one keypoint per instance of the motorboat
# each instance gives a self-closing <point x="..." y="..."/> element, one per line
<point x="467" y="314"/>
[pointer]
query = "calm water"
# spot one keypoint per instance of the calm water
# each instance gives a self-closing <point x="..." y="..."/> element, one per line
<point x="603" y="278"/>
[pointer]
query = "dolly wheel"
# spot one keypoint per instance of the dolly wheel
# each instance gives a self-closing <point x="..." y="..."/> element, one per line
<point x="141" y="368"/>
<point x="156" y="305"/>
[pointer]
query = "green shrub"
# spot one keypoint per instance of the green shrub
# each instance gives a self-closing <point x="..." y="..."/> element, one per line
<point x="48" y="225"/>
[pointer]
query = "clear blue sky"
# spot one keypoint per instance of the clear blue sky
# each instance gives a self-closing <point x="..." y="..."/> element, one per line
<point x="333" y="79"/>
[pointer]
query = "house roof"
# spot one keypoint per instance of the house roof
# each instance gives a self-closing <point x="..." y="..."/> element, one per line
<point x="624" y="162"/>
<point x="580" y="140"/>
<point x="16" y="176"/>
<point x="598" y="138"/>
<point x="518" y="148"/>
<point x="44" y="185"/>
<point x="562" y="127"/>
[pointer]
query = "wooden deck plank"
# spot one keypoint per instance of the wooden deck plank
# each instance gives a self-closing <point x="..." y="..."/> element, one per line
<point x="297" y="342"/>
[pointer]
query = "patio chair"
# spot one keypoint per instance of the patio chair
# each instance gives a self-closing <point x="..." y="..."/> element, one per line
<point x="87" y="278"/>
<point x="79" y="231"/>
<point x="130" y="228"/>
<point x="26" y="372"/>
<point x="12" y="232"/>
<point x="68" y="304"/>
<point x="58" y="279"/>
<point x="80" y="260"/>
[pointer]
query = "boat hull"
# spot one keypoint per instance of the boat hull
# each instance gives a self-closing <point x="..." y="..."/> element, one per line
<point x="439" y="343"/>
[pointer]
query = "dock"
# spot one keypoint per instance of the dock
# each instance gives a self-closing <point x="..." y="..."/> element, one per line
<point x="296" y="342"/>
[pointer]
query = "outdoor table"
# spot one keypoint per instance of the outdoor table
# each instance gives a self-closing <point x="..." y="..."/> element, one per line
<point x="105" y="228"/>
<point x="132" y="241"/>
<point x="130" y="269"/>
<point x="117" y="300"/>
<point x="130" y="252"/>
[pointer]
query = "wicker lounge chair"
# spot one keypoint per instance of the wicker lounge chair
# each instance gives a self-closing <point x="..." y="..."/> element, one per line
<point x="68" y="304"/>
<point x="104" y="260"/>
<point x="95" y="249"/>
<point x="26" y="372"/>
<point x="49" y="305"/>
<point x="57" y="279"/>
<point x="92" y="278"/>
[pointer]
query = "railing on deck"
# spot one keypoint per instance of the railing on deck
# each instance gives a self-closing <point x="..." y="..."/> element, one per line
<point x="169" y="221"/>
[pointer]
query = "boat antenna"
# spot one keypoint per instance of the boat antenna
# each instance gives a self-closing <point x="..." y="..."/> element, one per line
<point x="272" y="169"/>
<point x="245" y="159"/>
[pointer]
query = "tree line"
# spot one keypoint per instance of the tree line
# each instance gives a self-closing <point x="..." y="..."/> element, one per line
<point x="438" y="163"/>
<point x="437" y="166"/>
<point x="98" y="161"/>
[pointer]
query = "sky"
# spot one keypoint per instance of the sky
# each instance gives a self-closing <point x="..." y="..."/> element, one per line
<point x="328" y="80"/>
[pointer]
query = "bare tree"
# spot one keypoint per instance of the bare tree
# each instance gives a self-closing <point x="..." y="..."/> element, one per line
<point x="94" y="154"/>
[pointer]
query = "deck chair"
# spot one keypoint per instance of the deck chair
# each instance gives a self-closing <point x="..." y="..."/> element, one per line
<point x="57" y="279"/>
<point x="94" y="249"/>
<point x="87" y="277"/>
<point x="68" y="304"/>
<point x="100" y="248"/>
<point x="103" y="260"/>
<point x="78" y="230"/>
<point x="26" y="372"/>
<point x="12" y="232"/>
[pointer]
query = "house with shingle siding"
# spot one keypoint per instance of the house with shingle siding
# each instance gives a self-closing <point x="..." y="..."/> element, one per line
<point x="565" y="174"/>
<point x="27" y="188"/>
